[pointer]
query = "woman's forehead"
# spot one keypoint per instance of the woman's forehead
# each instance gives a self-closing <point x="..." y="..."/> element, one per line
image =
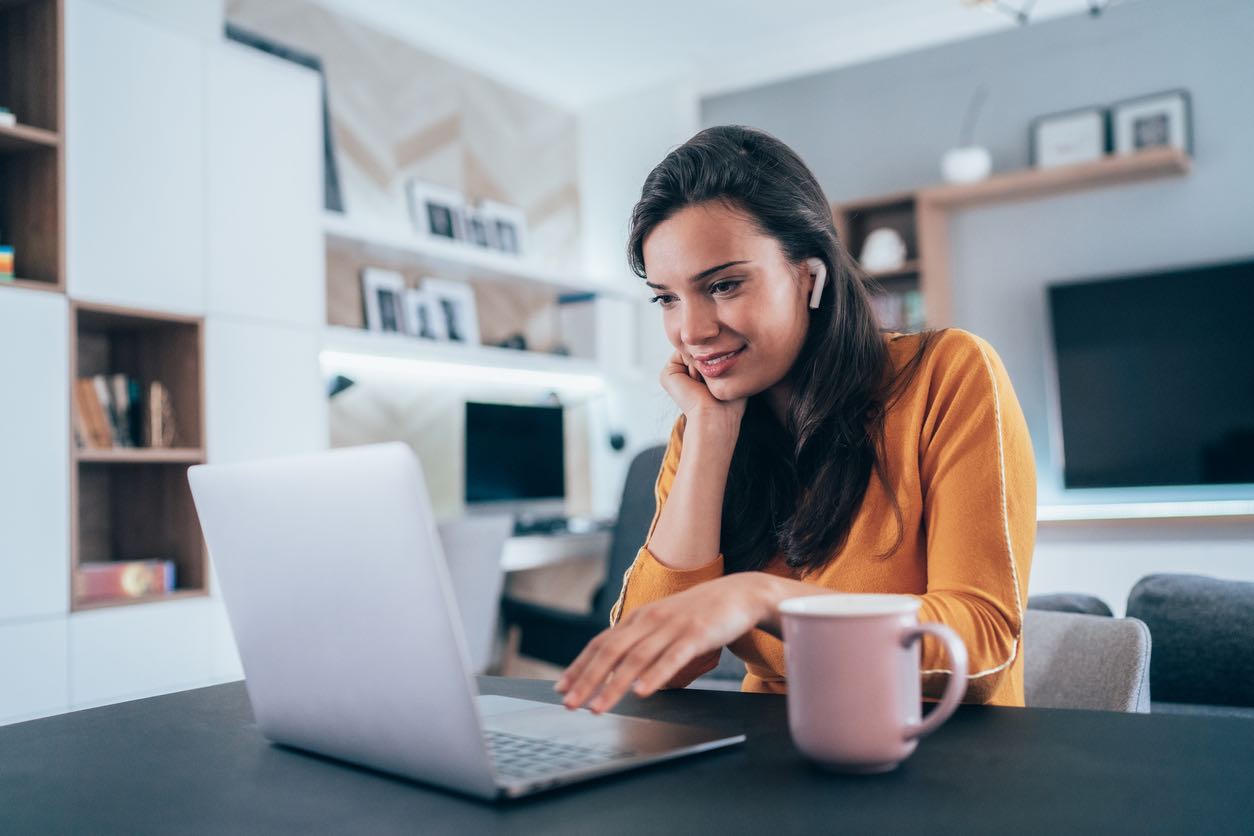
<point x="702" y="236"/>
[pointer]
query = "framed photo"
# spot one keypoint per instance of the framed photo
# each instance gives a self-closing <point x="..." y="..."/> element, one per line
<point x="423" y="316"/>
<point x="479" y="228"/>
<point x="455" y="303"/>
<point x="1153" y="121"/>
<point x="383" y="293"/>
<point x="508" y="226"/>
<point x="1074" y="136"/>
<point x="436" y="211"/>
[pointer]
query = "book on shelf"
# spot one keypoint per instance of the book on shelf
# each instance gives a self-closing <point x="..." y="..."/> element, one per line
<point x="118" y="411"/>
<point x="97" y="580"/>
<point x="899" y="311"/>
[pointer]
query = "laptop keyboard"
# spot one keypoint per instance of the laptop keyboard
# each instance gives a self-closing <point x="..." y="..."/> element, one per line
<point x="516" y="756"/>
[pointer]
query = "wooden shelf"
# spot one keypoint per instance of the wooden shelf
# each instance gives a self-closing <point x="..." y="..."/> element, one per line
<point x="1035" y="183"/>
<point x="176" y="595"/>
<point x="32" y="284"/>
<point x="25" y="137"/>
<point x="141" y="455"/>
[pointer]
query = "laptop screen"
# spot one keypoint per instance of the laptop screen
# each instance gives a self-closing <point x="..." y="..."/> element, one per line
<point x="514" y="453"/>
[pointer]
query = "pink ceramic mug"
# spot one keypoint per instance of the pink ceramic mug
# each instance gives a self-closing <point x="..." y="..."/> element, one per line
<point x="853" y="678"/>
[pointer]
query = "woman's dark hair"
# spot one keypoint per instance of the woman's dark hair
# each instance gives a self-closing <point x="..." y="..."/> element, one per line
<point x="796" y="488"/>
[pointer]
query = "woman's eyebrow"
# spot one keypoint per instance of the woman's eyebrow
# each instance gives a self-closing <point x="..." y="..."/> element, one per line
<point x="709" y="271"/>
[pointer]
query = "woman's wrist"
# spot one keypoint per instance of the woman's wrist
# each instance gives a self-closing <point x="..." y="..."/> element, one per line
<point x="712" y="424"/>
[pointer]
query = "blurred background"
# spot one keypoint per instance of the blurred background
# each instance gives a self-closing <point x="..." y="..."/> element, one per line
<point x="253" y="228"/>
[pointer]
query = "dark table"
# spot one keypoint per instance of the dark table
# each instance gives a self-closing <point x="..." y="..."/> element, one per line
<point x="193" y="762"/>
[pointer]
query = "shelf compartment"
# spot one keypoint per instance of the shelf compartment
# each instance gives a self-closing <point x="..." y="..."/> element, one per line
<point x="30" y="61"/>
<point x="30" y="212"/>
<point x="149" y="347"/>
<point x="129" y="511"/>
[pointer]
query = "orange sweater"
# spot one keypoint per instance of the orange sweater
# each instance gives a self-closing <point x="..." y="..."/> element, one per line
<point x="960" y="464"/>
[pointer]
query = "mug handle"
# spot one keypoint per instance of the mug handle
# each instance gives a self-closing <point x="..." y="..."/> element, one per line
<point x="955" y="689"/>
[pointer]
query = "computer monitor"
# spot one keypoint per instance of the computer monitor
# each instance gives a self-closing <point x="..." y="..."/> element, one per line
<point x="515" y="459"/>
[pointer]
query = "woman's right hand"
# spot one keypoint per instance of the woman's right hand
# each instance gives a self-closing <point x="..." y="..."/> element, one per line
<point x="687" y="389"/>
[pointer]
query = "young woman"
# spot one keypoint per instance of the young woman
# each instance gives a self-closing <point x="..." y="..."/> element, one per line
<point x="815" y="453"/>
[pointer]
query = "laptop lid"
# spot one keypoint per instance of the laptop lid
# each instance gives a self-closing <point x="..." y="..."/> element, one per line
<point x="349" y="537"/>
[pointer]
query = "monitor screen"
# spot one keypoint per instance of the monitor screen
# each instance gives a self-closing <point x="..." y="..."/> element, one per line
<point x="514" y="453"/>
<point x="1155" y="377"/>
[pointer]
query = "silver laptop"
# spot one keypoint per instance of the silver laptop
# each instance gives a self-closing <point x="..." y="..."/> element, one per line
<point x="334" y="579"/>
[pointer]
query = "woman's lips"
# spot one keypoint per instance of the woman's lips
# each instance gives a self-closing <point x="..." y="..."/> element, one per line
<point x="719" y="365"/>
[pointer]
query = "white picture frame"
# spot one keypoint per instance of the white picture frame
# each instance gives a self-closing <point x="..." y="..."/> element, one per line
<point x="1157" y="120"/>
<point x="456" y="301"/>
<point x="479" y="228"/>
<point x="508" y="226"/>
<point x="1069" y="138"/>
<point x="424" y="318"/>
<point x="383" y="299"/>
<point x="437" y="212"/>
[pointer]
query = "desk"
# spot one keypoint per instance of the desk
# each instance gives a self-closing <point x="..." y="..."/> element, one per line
<point x="192" y="762"/>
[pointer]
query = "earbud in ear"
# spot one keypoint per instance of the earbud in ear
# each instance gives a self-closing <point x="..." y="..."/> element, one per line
<point x="819" y="270"/>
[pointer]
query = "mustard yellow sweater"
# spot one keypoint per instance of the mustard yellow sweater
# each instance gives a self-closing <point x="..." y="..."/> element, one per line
<point x="959" y="462"/>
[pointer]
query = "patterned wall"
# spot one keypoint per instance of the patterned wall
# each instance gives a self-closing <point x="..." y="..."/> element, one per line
<point x="398" y="111"/>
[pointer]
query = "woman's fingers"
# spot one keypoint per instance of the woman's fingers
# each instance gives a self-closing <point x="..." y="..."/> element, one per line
<point x="674" y="657"/>
<point x="640" y="657"/>
<point x="612" y="645"/>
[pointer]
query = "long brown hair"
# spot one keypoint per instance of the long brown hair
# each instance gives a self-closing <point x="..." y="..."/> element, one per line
<point x="795" y="488"/>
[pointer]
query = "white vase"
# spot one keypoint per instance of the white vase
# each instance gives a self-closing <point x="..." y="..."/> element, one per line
<point x="966" y="165"/>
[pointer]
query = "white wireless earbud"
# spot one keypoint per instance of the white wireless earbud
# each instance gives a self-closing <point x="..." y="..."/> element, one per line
<point x="819" y="270"/>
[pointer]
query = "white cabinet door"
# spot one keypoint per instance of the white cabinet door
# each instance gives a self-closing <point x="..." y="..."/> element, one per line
<point x="34" y="455"/>
<point x="134" y="160"/>
<point x="264" y="391"/>
<point x="140" y="651"/>
<point x="33" y="659"/>
<point x="264" y="157"/>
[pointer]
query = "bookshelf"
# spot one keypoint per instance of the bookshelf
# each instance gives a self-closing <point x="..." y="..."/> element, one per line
<point x="512" y="296"/>
<point x="134" y="503"/>
<point x="32" y="159"/>
<point x="922" y="217"/>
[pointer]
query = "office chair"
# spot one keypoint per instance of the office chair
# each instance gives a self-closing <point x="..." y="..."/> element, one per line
<point x="1093" y="662"/>
<point x="557" y="636"/>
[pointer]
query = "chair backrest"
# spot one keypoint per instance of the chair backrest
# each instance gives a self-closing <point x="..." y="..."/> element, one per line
<point x="635" y="513"/>
<point x="1069" y="602"/>
<point x="1203" y="631"/>
<point x="1085" y="661"/>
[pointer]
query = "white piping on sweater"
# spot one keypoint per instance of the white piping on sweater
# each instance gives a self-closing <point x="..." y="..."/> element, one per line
<point x="1005" y="519"/>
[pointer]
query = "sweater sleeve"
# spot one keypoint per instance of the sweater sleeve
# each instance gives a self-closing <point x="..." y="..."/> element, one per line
<point x="979" y="512"/>
<point x="648" y="579"/>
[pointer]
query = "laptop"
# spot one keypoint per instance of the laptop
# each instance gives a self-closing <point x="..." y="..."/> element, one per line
<point x="335" y="583"/>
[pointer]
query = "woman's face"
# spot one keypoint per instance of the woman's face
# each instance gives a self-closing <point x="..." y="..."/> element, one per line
<point x="731" y="302"/>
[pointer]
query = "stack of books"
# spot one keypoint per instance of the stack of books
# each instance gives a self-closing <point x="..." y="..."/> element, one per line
<point x="116" y="411"/>
<point x="96" y="581"/>
<point x="899" y="311"/>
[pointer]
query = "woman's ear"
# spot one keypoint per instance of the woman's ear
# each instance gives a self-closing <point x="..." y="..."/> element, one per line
<point x="818" y="270"/>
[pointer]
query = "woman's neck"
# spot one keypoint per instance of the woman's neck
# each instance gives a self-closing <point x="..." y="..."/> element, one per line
<point x="777" y="398"/>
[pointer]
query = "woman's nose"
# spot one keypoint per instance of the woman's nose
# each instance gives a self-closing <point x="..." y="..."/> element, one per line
<point x="700" y="323"/>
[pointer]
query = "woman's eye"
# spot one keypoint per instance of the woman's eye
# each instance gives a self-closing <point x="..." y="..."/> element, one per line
<point x="664" y="298"/>
<point x="725" y="286"/>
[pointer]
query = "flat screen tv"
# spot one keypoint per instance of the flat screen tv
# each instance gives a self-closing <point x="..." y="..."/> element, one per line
<point x="515" y="455"/>
<point x="1154" y="377"/>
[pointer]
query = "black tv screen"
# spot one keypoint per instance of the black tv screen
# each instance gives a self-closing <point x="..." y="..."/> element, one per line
<point x="1155" y="377"/>
<point x="514" y="453"/>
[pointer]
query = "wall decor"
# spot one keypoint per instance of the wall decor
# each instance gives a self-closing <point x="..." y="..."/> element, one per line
<point x="1160" y="119"/>
<point x="508" y="226"/>
<point x="456" y="301"/>
<point x="424" y="318"/>
<point x="383" y="294"/>
<point x="436" y="211"/>
<point x="1070" y="137"/>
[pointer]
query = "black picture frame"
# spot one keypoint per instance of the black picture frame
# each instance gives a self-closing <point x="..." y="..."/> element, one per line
<point x="1186" y="104"/>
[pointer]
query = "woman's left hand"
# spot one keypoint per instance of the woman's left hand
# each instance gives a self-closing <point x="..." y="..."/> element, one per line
<point x="650" y="645"/>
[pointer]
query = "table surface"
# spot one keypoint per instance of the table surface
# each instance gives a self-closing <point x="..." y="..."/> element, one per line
<point x="194" y="762"/>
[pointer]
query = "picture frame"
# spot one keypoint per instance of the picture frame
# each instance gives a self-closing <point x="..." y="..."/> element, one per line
<point x="1069" y="137"/>
<point x="436" y="211"/>
<point x="383" y="299"/>
<point x="1155" y="120"/>
<point x="479" y="228"/>
<point x="507" y="225"/>
<point x="423" y="316"/>
<point x="456" y="302"/>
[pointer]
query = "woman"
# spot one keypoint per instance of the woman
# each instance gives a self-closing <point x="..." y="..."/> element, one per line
<point x="814" y="453"/>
